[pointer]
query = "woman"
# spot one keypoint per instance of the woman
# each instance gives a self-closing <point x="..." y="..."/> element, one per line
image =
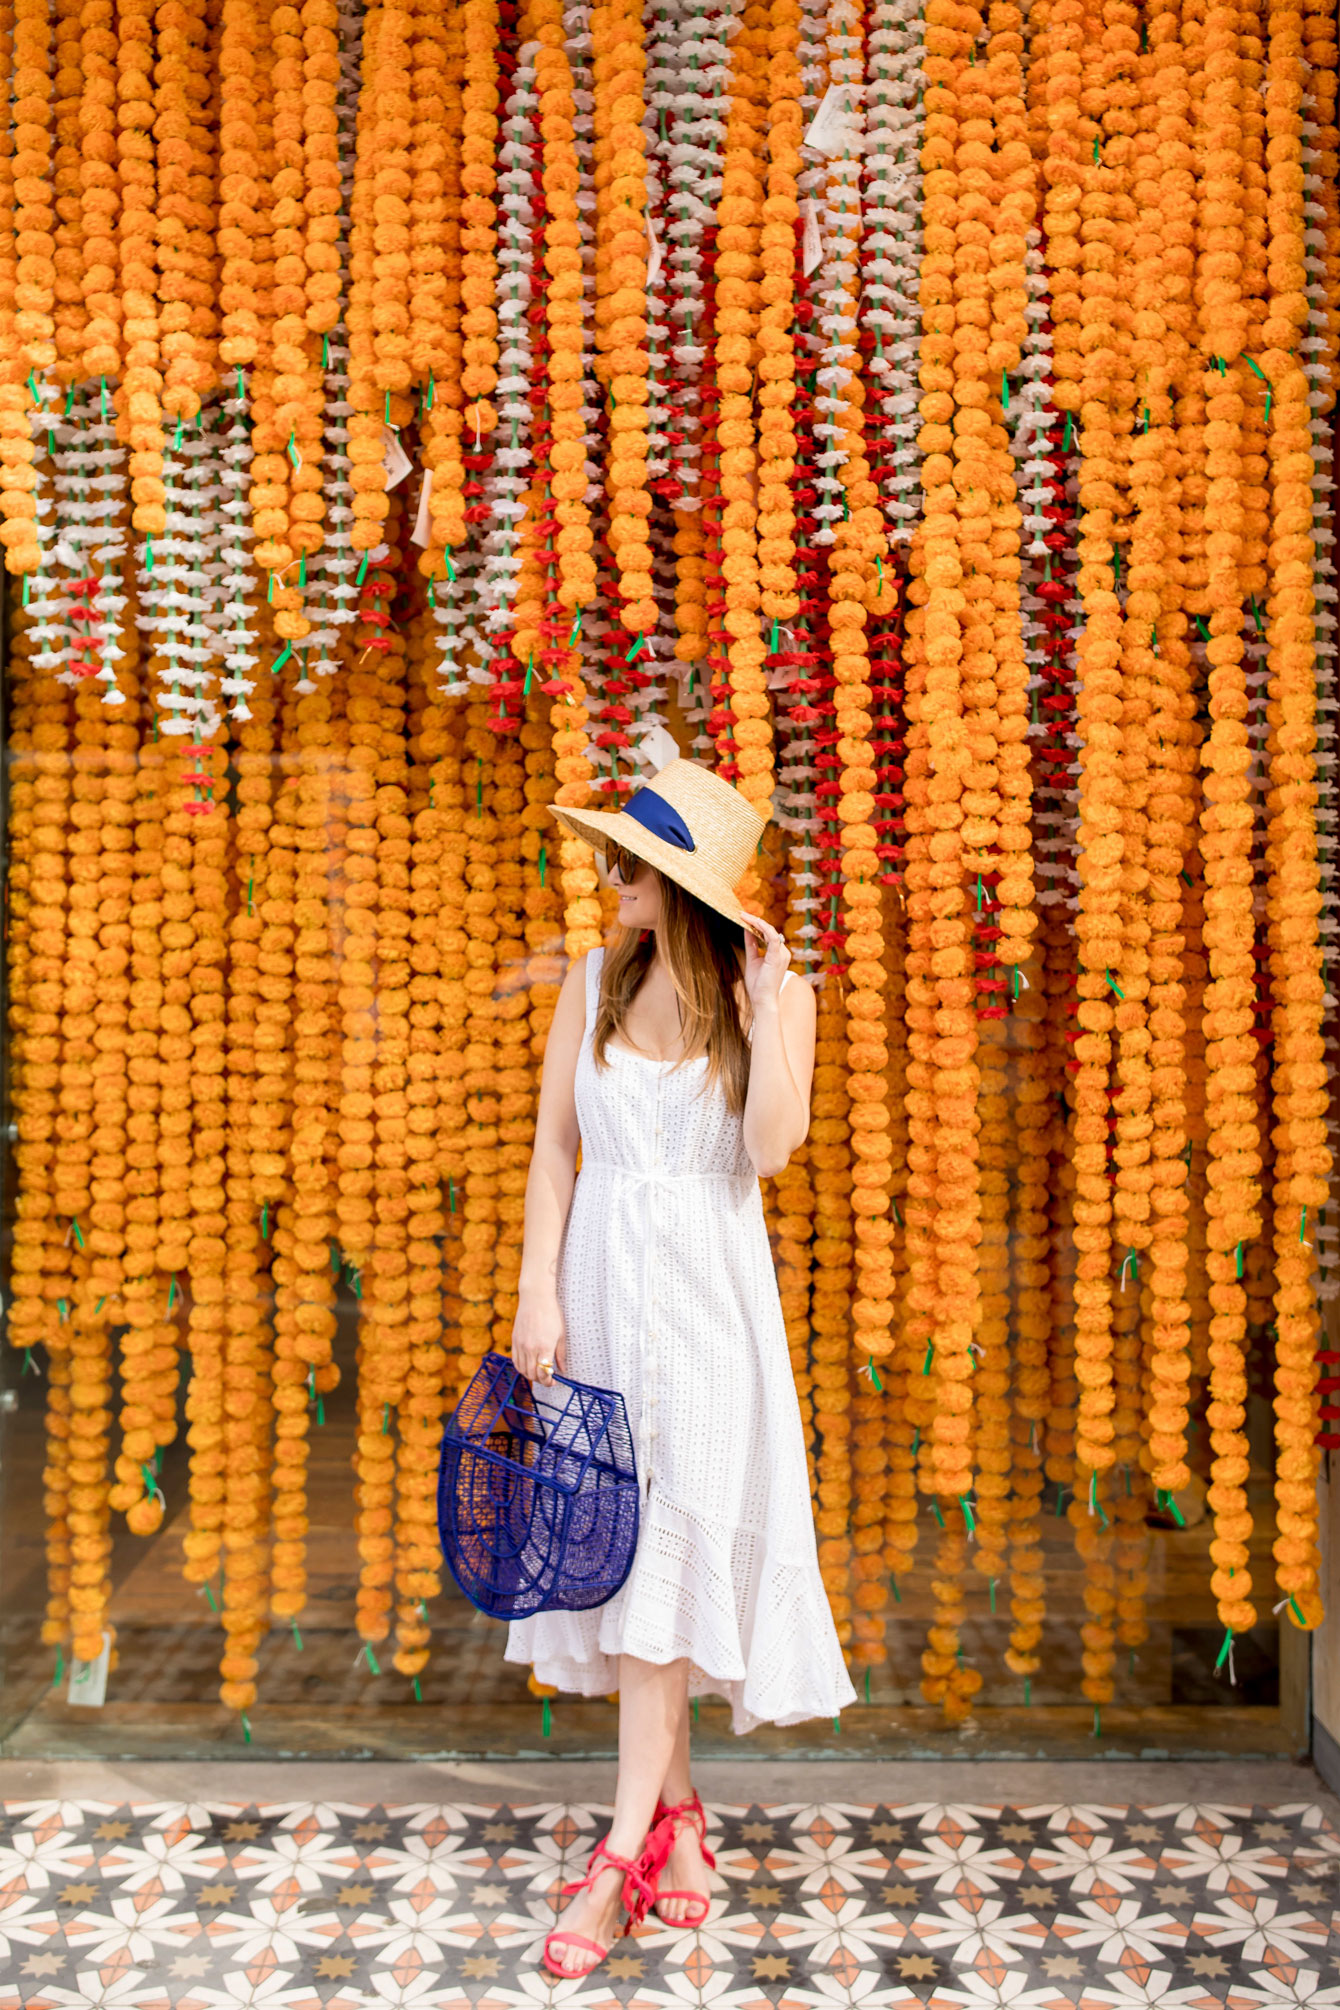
<point x="680" y="1061"/>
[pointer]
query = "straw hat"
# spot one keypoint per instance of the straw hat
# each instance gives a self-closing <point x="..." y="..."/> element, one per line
<point x="689" y="824"/>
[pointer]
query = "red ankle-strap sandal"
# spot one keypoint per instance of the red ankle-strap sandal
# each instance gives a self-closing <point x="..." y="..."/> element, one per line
<point x="666" y="1824"/>
<point x="638" y="1891"/>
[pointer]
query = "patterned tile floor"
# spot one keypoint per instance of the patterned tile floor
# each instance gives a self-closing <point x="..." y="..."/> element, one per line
<point x="303" y="1906"/>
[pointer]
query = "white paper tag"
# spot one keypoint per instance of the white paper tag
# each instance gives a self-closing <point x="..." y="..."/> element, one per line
<point x="811" y="244"/>
<point x="395" y="460"/>
<point x="657" y="747"/>
<point x="422" y="532"/>
<point x="831" y="127"/>
<point x="654" y="253"/>
<point x="88" y="1679"/>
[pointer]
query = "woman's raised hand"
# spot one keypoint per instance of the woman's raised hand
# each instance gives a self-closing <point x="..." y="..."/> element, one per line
<point x="538" y="1344"/>
<point x="766" y="956"/>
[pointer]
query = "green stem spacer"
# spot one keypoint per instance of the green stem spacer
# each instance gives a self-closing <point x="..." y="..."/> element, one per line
<point x="361" y="574"/>
<point x="387" y="409"/>
<point x="297" y="1637"/>
<point x="874" y="1376"/>
<point x="1005" y="389"/>
<point x="1225" y="1650"/>
<point x="29" y="1365"/>
<point x="930" y="1356"/>
<point x="837" y="1723"/>
<point x="325" y="352"/>
<point x="775" y="636"/>
<point x="1028" y="1691"/>
<point x="1069" y="430"/>
<point x="544" y="860"/>
<point x="98" y="1307"/>
<point x="418" y="1690"/>
<point x="246" y="1727"/>
<point x="60" y="1668"/>
<point x="371" y="1657"/>
<point x="546" y="1718"/>
<point x="282" y="658"/>
<point x="530" y="675"/>
<point x="265" y="1221"/>
<point x="386" y="1418"/>
<point x="148" y="554"/>
<point x="1297" y="1611"/>
<point x="1237" y="1268"/>
<point x="451" y="1194"/>
<point x="446" y="560"/>
<point x="935" y="1510"/>
<point x="966" y="1506"/>
<point x="1302" y="1227"/>
<point x="576" y="628"/>
<point x="916" y="1441"/>
<point x="1097" y="1722"/>
<point x="695" y="1709"/>
<point x="209" y="1593"/>
<point x="1115" y="986"/>
<point x="636" y="650"/>
<point x="893" y="1587"/>
<point x="991" y="1590"/>
<point x="867" y="1683"/>
<point x="172" y="1290"/>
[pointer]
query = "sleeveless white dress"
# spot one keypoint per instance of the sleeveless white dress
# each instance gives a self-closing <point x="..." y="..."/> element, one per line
<point x="669" y="1295"/>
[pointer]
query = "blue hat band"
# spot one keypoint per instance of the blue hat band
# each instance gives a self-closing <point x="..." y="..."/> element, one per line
<point x="659" y="817"/>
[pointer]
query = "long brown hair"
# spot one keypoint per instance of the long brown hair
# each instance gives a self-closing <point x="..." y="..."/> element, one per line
<point x="701" y="950"/>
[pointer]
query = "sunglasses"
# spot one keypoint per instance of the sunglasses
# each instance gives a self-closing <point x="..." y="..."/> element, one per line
<point x="625" y="863"/>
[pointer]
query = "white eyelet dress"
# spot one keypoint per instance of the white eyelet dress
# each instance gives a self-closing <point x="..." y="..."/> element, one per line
<point x="669" y="1295"/>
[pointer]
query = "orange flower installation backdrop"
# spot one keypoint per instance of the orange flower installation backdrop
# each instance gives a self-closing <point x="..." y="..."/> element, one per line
<point x="415" y="416"/>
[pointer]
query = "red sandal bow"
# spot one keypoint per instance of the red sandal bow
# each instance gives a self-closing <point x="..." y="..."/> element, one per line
<point x="639" y="1889"/>
<point x="666" y="1824"/>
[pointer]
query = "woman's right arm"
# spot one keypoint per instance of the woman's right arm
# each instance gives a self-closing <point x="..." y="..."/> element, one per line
<point x="537" y="1332"/>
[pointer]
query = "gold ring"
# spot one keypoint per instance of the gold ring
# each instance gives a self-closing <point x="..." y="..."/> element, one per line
<point x="546" y="1363"/>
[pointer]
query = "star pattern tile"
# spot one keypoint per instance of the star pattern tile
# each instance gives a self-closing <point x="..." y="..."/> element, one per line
<point x="334" y="1906"/>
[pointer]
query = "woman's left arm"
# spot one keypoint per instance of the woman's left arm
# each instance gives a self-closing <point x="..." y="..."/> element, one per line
<point x="781" y="1066"/>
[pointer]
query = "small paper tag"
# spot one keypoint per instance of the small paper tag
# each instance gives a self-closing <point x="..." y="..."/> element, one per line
<point x="657" y="747"/>
<point x="395" y="460"/>
<point x="88" y="1679"/>
<point x="831" y="127"/>
<point x="811" y="244"/>
<point x="422" y="532"/>
<point x="654" y="253"/>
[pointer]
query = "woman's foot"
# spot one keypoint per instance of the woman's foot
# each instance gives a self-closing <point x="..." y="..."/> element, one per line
<point x="685" y="1887"/>
<point x="595" y="1914"/>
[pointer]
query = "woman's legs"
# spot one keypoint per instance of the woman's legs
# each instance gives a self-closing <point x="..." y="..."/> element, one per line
<point x="653" y="1702"/>
<point x="685" y="1870"/>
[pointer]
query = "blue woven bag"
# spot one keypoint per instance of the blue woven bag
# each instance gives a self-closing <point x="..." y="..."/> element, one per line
<point x="537" y="1499"/>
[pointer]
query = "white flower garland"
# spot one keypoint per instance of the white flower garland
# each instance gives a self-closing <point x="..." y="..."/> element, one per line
<point x="510" y="469"/>
<point x="697" y="137"/>
<point x="1030" y="417"/>
<point x="235" y="636"/>
<point x="178" y="577"/>
<point x="840" y="272"/>
<point x="891" y="267"/>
